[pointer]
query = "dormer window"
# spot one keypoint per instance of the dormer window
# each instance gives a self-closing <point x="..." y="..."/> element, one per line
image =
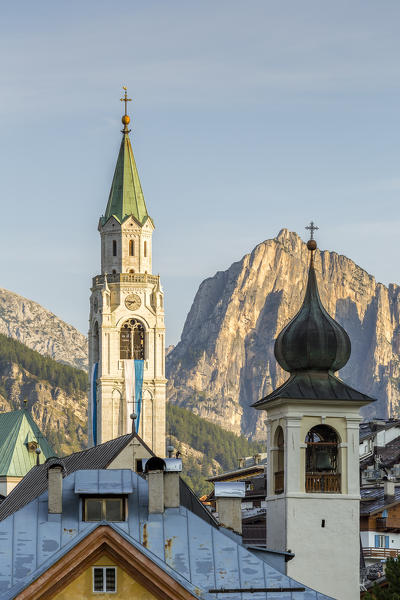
<point x="109" y="508"/>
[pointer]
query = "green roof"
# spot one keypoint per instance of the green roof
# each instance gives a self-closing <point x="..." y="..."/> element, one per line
<point x="17" y="428"/>
<point x="126" y="196"/>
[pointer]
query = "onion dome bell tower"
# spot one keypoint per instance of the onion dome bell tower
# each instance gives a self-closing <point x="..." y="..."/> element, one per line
<point x="313" y="493"/>
<point x="126" y="322"/>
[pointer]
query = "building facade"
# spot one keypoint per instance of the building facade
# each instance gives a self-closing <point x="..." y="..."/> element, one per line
<point x="126" y="322"/>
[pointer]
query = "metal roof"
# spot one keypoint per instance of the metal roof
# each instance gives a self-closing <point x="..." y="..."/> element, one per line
<point x="17" y="428"/>
<point x="373" y="499"/>
<point x="312" y="347"/>
<point x="98" y="457"/>
<point x="312" y="339"/>
<point x="198" y="556"/>
<point x="126" y="196"/>
<point x="318" y="385"/>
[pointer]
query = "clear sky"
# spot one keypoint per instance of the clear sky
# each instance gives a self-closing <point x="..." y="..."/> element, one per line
<point x="248" y="116"/>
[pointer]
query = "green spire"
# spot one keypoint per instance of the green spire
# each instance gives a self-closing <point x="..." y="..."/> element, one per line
<point x="126" y="196"/>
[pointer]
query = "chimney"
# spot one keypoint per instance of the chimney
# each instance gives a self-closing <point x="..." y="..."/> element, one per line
<point x="228" y="495"/>
<point x="55" y="477"/>
<point x="173" y="468"/>
<point x="389" y="491"/>
<point x="257" y="459"/>
<point x="154" y="469"/>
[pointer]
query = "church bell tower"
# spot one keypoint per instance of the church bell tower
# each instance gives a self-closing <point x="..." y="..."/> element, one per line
<point x="126" y="323"/>
<point x="313" y="494"/>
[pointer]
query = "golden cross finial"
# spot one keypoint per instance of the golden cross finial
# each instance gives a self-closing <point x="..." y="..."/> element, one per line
<point x="125" y="99"/>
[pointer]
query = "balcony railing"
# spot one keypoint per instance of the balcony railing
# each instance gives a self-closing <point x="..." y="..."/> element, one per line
<point x="381" y="552"/>
<point x="279" y="482"/>
<point x="326" y="483"/>
<point x="386" y="523"/>
<point x="125" y="278"/>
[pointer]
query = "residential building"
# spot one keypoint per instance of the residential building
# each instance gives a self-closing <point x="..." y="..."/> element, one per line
<point x="69" y="531"/>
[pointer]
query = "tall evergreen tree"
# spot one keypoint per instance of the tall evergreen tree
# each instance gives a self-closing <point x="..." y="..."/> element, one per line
<point x="392" y="590"/>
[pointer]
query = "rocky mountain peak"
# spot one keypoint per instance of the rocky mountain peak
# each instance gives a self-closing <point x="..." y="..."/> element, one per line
<point x="225" y="359"/>
<point x="39" y="329"/>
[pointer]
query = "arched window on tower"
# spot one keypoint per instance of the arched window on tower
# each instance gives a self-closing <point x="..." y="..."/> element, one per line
<point x="132" y="338"/>
<point x="145" y="249"/>
<point x="131" y="248"/>
<point x="322" y="460"/>
<point x="114" y="247"/>
<point x="279" y="461"/>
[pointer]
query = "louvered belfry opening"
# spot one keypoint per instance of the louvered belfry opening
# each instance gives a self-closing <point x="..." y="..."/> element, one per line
<point x="322" y="468"/>
<point x="132" y="340"/>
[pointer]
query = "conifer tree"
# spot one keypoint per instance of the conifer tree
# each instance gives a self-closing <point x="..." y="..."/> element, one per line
<point x="392" y="590"/>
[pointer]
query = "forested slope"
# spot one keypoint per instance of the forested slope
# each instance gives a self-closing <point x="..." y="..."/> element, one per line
<point x="57" y="398"/>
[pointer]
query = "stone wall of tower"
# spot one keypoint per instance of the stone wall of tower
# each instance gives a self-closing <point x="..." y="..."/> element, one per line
<point x="126" y="247"/>
<point x="126" y="274"/>
<point x="321" y="529"/>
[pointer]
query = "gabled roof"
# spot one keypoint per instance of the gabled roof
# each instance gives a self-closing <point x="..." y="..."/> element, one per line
<point x="126" y="196"/>
<point x="197" y="556"/>
<point x="98" y="457"/>
<point x="17" y="428"/>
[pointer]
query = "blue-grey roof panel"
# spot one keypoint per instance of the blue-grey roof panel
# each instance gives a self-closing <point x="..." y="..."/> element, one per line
<point x="90" y="482"/>
<point x="192" y="551"/>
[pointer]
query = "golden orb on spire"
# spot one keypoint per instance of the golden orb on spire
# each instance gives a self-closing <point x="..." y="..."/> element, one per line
<point x="126" y="120"/>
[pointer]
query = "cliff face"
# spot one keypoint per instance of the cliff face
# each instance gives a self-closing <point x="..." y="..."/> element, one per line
<point x="225" y="359"/>
<point x="62" y="417"/>
<point x="40" y="330"/>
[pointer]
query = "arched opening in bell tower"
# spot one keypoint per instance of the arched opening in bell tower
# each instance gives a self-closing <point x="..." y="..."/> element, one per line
<point x="132" y="340"/>
<point x="131" y="248"/>
<point x="322" y="460"/>
<point x="279" y="461"/>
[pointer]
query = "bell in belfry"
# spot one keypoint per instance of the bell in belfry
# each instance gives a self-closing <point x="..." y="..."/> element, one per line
<point x="323" y="461"/>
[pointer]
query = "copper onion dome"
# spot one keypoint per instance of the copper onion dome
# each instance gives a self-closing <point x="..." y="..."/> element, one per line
<point x="312" y="341"/>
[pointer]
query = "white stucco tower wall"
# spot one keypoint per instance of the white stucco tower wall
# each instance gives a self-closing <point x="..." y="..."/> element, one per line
<point x="321" y="529"/>
<point x="126" y="291"/>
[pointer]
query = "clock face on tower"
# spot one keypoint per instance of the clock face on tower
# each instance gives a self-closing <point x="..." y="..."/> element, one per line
<point x="132" y="302"/>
